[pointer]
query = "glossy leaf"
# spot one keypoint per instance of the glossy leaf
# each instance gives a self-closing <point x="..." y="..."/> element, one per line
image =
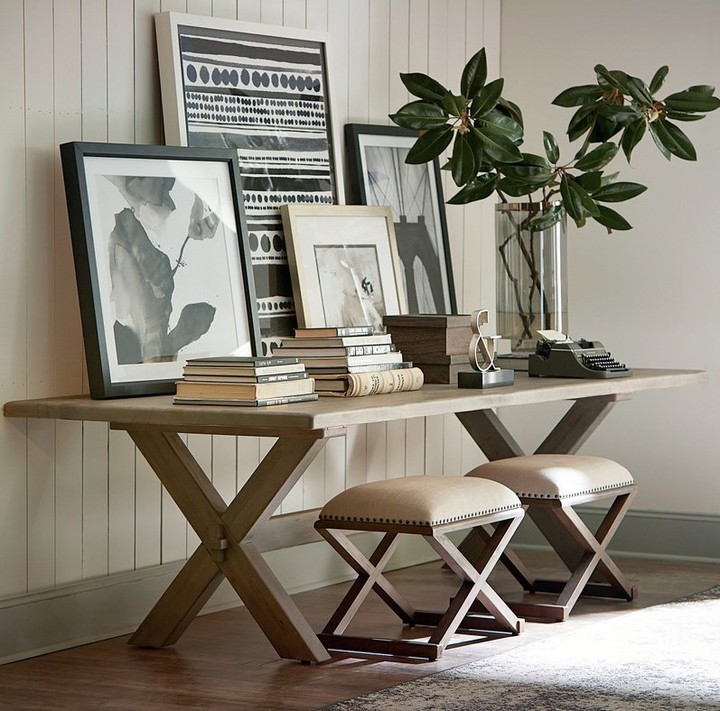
<point x="478" y="189"/>
<point x="611" y="219"/>
<point x="419" y="115"/>
<point x="551" y="147"/>
<point x="463" y="160"/>
<point x="474" y="74"/>
<point x="423" y="86"/>
<point x="632" y="135"/>
<point x="618" y="192"/>
<point x="453" y="104"/>
<point x="533" y="159"/>
<point x="658" y="142"/>
<point x="511" y="110"/>
<point x="430" y="145"/>
<point x="496" y="145"/>
<point x="590" y="182"/>
<point x="546" y="219"/>
<point x="614" y="79"/>
<point x="576" y="200"/>
<point x="637" y="89"/>
<point x="581" y="122"/>
<point x="675" y="140"/>
<point x="692" y="101"/>
<point x="578" y="95"/>
<point x="506" y="125"/>
<point x="598" y="157"/>
<point x="658" y="79"/>
<point x="486" y="98"/>
<point x="682" y="116"/>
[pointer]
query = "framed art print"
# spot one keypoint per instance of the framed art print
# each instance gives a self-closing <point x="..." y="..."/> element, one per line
<point x="344" y="265"/>
<point x="380" y="176"/>
<point x="262" y="91"/>
<point x="163" y="272"/>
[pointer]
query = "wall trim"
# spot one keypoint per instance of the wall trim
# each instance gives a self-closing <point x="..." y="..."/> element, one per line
<point x="101" y="608"/>
<point x="92" y="610"/>
<point x="651" y="534"/>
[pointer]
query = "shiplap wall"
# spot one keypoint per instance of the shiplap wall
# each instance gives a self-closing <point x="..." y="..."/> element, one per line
<point x="77" y="502"/>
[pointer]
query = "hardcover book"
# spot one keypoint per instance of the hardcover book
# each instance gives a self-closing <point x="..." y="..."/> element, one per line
<point x="248" y="403"/>
<point x="215" y="390"/>
<point x="325" y="331"/>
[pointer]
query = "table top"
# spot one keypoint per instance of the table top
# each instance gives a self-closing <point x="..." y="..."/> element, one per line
<point x="330" y="412"/>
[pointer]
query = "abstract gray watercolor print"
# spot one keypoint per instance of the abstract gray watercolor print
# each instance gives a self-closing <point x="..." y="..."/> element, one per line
<point x="143" y="276"/>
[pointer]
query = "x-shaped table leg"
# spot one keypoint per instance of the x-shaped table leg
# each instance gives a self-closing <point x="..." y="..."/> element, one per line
<point x="227" y="549"/>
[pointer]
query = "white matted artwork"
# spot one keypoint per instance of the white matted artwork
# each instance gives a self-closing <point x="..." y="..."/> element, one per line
<point x="344" y="265"/>
<point x="162" y="268"/>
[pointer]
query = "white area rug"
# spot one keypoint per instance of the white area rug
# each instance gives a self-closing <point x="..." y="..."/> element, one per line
<point x="657" y="659"/>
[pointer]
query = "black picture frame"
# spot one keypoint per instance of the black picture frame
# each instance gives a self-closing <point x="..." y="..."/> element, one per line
<point x="161" y="260"/>
<point x="380" y="176"/>
<point x="264" y="91"/>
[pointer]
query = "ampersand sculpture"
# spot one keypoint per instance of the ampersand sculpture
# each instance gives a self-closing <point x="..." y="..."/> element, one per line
<point x="482" y="348"/>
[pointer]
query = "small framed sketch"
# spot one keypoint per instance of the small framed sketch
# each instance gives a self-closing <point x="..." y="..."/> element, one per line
<point x="163" y="271"/>
<point x="263" y="91"/>
<point x="344" y="265"/>
<point x="380" y="176"/>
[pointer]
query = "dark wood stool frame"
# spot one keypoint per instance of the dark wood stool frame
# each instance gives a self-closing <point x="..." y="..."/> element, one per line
<point x="474" y="586"/>
<point x="592" y="571"/>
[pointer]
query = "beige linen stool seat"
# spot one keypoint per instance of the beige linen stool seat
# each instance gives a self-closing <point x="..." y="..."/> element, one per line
<point x="431" y="507"/>
<point x="549" y="486"/>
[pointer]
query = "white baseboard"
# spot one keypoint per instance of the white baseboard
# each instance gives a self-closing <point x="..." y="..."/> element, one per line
<point x="101" y="608"/>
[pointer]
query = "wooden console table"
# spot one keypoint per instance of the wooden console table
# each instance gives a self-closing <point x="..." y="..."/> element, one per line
<point x="234" y="535"/>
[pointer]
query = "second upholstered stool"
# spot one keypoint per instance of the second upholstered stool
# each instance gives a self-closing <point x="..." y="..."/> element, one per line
<point x="549" y="486"/>
<point x="431" y="507"/>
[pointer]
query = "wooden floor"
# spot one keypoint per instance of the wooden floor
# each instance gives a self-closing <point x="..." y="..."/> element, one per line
<point x="224" y="662"/>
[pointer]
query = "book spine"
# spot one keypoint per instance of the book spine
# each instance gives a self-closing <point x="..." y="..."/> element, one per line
<point x="386" y="381"/>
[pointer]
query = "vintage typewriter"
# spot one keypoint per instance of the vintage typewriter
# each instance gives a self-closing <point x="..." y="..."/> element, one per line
<point x="561" y="357"/>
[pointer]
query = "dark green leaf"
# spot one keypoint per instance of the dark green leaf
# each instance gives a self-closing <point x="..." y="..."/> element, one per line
<point x="454" y="105"/>
<point x="632" y="135"/>
<point x="675" y="140"/>
<point x="590" y="182"/>
<point x="576" y="200"/>
<point x="578" y="95"/>
<point x="604" y="129"/>
<point x="582" y="121"/>
<point x="598" y="157"/>
<point x="532" y="159"/>
<point x="496" y="145"/>
<point x="546" y="219"/>
<point x="423" y="86"/>
<point x="682" y="116"/>
<point x="419" y="115"/>
<point x="692" y="101"/>
<point x="477" y="189"/>
<point x="611" y="219"/>
<point x="430" y="145"/>
<point x="618" y="192"/>
<point x="614" y="79"/>
<point x="551" y="147"/>
<point x="637" y="89"/>
<point x="622" y="113"/>
<point x="520" y="170"/>
<point x="658" y="79"/>
<point x="506" y="125"/>
<point x="658" y="142"/>
<point x="463" y="160"/>
<point x="474" y="74"/>
<point x="511" y="110"/>
<point x="486" y="98"/>
<point x="518" y="187"/>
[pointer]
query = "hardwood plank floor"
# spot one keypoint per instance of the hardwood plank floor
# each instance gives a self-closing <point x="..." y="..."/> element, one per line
<point x="224" y="662"/>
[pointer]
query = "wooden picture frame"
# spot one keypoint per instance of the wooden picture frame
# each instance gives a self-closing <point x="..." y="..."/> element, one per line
<point x="380" y="176"/>
<point x="344" y="265"/>
<point x="163" y="271"/>
<point x="263" y="91"/>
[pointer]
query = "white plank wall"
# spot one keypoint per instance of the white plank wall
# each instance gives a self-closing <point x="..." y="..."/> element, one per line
<point x="77" y="501"/>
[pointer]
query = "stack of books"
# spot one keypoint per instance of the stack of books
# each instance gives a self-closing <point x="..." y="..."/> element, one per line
<point x="244" y="380"/>
<point x="438" y="344"/>
<point x="350" y="361"/>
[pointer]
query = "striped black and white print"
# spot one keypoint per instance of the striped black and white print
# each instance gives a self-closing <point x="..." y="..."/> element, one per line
<point x="267" y="98"/>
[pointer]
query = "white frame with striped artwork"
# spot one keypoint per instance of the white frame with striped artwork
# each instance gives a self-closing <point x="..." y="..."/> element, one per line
<point x="279" y="120"/>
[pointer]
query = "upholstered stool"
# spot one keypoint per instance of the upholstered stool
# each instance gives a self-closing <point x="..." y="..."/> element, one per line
<point x="431" y="507"/>
<point x="549" y="485"/>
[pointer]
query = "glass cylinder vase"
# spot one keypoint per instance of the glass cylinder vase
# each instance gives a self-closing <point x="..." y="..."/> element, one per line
<point x="531" y="275"/>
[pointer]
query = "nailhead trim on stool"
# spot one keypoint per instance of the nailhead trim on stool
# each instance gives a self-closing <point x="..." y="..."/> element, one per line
<point x="429" y="506"/>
